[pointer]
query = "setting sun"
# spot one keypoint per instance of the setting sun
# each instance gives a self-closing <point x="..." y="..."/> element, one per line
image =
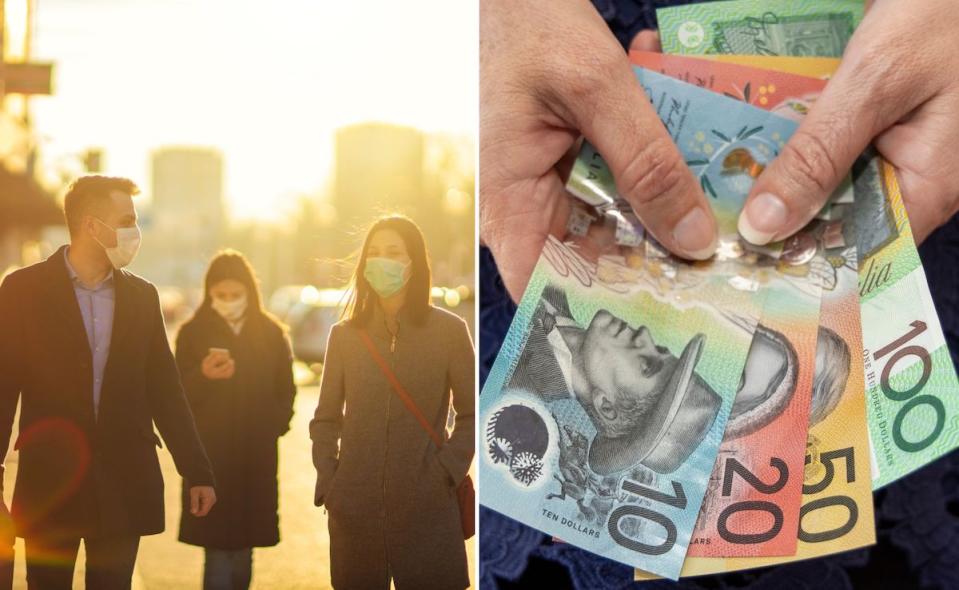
<point x="266" y="84"/>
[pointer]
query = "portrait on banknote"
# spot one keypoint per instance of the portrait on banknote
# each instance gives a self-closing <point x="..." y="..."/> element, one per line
<point x="646" y="404"/>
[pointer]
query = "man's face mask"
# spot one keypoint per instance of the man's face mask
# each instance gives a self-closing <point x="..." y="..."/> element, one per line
<point x="128" y="244"/>
<point x="385" y="275"/>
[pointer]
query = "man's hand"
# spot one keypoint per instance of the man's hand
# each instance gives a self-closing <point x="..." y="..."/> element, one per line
<point x="897" y="84"/>
<point x="537" y="97"/>
<point x="202" y="499"/>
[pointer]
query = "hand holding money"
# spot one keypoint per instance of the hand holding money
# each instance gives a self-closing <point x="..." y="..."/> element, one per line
<point x="538" y="97"/>
<point x="896" y="85"/>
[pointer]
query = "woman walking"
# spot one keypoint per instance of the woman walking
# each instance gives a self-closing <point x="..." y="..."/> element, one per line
<point x="389" y="490"/>
<point x="236" y="367"/>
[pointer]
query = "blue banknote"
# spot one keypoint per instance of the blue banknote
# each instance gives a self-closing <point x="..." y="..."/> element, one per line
<point x="604" y="411"/>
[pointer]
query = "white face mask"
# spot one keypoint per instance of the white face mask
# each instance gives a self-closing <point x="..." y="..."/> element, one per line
<point x="230" y="310"/>
<point x="128" y="244"/>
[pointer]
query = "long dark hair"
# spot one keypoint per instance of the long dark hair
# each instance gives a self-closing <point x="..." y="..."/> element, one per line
<point x="231" y="264"/>
<point x="362" y="299"/>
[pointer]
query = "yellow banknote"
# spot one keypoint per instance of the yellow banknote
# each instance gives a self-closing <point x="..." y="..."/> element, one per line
<point x="814" y="67"/>
<point x="837" y="503"/>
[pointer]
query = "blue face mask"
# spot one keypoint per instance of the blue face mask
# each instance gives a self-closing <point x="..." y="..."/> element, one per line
<point x="386" y="276"/>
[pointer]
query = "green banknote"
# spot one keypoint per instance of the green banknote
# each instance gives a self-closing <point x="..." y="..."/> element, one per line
<point x="771" y="27"/>
<point x="911" y="386"/>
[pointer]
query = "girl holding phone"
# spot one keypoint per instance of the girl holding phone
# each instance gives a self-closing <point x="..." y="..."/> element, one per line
<point x="237" y="369"/>
<point x="389" y="489"/>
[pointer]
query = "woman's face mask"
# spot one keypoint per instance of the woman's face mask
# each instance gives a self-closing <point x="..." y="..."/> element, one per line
<point x="229" y="298"/>
<point x="386" y="276"/>
<point x="128" y="244"/>
<point x="230" y="310"/>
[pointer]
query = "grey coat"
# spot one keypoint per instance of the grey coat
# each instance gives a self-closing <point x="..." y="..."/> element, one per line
<point x="389" y="492"/>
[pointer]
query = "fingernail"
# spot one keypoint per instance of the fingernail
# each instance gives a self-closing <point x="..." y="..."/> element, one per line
<point x="762" y="218"/>
<point x="695" y="236"/>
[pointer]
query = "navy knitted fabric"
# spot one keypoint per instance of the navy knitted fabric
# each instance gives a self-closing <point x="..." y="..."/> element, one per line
<point x="917" y="518"/>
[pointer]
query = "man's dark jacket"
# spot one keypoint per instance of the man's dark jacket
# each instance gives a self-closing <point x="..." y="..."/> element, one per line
<point x="80" y="475"/>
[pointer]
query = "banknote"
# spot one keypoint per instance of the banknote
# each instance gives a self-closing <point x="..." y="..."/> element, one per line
<point x="725" y="149"/>
<point x="576" y="444"/>
<point x="911" y="385"/>
<point x="800" y="81"/>
<point x="837" y="503"/>
<point x="813" y="67"/>
<point x="753" y="502"/>
<point x="771" y="27"/>
<point x="785" y="94"/>
<point x="604" y="410"/>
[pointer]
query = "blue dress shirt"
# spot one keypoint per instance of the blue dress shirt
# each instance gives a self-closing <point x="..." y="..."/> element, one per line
<point x="97" y="307"/>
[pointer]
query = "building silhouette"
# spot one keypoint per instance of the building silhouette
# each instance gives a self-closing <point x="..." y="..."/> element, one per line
<point x="185" y="221"/>
<point x="383" y="168"/>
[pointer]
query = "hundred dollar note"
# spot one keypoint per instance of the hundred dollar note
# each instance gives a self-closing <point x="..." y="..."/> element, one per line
<point x="913" y="392"/>
<point x="911" y="385"/>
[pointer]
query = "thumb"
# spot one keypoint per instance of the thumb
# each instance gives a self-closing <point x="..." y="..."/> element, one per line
<point x="865" y="97"/>
<point x="194" y="501"/>
<point x="617" y="118"/>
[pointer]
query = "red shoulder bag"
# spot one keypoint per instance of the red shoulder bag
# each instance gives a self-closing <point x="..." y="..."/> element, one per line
<point x="465" y="493"/>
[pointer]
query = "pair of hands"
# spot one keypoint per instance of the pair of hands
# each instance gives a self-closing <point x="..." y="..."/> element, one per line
<point x="550" y="72"/>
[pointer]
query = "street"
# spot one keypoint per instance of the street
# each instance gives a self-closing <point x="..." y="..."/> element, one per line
<point x="300" y="561"/>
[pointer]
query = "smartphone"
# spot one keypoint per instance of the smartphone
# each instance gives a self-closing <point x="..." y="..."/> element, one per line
<point x="223" y="352"/>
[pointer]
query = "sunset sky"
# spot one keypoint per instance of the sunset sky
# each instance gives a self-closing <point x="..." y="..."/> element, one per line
<point x="265" y="82"/>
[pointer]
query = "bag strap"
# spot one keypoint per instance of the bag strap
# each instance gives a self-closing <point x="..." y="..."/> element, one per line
<point x="399" y="390"/>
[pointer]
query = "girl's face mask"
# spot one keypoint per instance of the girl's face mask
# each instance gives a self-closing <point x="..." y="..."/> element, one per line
<point x="231" y="310"/>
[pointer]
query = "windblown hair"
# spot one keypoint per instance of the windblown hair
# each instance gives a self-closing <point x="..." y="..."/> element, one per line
<point x="361" y="299"/>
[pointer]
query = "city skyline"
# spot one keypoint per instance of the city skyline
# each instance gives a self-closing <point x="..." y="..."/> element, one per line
<point x="269" y="81"/>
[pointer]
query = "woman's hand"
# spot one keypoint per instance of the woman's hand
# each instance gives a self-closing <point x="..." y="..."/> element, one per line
<point x="216" y="366"/>
<point x="550" y="71"/>
<point x="897" y="83"/>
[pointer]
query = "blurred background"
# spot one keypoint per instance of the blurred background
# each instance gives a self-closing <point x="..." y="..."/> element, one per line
<point x="280" y="129"/>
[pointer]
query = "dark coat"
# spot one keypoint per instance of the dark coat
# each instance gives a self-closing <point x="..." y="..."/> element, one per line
<point x="79" y="476"/>
<point x="389" y="491"/>
<point x="239" y="420"/>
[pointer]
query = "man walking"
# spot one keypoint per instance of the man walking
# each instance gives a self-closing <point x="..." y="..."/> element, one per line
<point x="83" y="345"/>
